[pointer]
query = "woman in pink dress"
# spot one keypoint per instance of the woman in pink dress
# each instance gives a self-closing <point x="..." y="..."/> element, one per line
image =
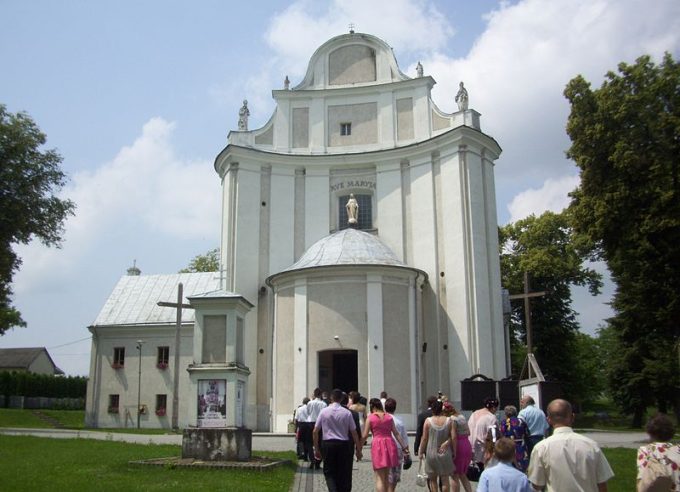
<point x="384" y="453"/>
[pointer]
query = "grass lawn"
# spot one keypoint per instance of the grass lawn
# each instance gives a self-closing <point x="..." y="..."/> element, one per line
<point x="70" y="419"/>
<point x="623" y="462"/>
<point x="13" y="417"/>
<point x="34" y="463"/>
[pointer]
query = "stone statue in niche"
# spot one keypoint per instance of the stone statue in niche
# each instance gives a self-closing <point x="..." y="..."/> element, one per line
<point x="419" y="70"/>
<point x="286" y="83"/>
<point x="462" y="98"/>
<point x="352" y="210"/>
<point x="243" y="114"/>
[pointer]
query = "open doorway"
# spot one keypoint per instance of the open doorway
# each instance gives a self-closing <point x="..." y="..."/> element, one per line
<point x="338" y="369"/>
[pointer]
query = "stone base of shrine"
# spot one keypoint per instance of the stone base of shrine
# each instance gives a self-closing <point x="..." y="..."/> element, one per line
<point x="217" y="444"/>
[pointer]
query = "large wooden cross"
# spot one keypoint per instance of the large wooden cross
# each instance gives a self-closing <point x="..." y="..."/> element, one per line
<point x="179" y="305"/>
<point x="527" y="295"/>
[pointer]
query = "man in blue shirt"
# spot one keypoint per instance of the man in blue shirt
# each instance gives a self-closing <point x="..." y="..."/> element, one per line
<point x="536" y="421"/>
<point x="503" y="476"/>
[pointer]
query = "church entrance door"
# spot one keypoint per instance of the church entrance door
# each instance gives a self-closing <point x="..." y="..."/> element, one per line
<point x="338" y="369"/>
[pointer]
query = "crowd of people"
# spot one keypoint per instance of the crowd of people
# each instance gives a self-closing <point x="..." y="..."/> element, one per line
<point x="521" y="451"/>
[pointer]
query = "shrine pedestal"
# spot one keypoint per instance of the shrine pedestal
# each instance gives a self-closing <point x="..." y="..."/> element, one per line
<point x="217" y="444"/>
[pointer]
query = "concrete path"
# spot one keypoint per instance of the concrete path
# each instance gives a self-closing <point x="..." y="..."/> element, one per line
<point x="307" y="480"/>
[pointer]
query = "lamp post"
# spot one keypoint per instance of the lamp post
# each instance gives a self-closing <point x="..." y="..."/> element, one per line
<point x="139" y="381"/>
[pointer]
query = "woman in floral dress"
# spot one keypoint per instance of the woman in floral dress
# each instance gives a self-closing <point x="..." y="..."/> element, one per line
<point x="516" y="429"/>
<point x="659" y="451"/>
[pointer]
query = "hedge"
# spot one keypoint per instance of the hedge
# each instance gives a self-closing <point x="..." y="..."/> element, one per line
<point x="28" y="384"/>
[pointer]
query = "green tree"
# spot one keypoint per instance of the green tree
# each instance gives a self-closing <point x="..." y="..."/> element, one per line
<point x="209" y="262"/>
<point x="626" y="143"/>
<point x="543" y="247"/>
<point x="29" y="208"/>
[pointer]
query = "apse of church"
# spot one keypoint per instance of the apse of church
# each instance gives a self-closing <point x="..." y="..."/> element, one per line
<point x="359" y="226"/>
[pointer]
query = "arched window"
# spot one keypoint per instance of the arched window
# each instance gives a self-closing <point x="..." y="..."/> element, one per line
<point x="365" y="216"/>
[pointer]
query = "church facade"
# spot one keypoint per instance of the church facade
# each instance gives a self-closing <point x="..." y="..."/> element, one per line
<point x="359" y="228"/>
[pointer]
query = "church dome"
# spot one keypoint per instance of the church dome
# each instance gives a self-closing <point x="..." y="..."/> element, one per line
<point x="348" y="247"/>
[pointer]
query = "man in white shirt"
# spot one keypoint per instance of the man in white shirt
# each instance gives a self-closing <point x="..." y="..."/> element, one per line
<point x="567" y="460"/>
<point x="300" y="419"/>
<point x="314" y="408"/>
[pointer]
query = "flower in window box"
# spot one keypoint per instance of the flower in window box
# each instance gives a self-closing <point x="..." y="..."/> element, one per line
<point x="160" y="412"/>
<point x="162" y="366"/>
<point x="113" y="409"/>
<point x="117" y="365"/>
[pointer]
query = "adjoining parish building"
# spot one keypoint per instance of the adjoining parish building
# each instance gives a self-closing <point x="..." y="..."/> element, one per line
<point x="359" y="250"/>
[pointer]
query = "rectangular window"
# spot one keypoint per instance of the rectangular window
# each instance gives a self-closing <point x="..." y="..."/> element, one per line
<point x="239" y="341"/>
<point x="161" y="405"/>
<point x="163" y="357"/>
<point x="364" y="214"/>
<point x="345" y="129"/>
<point x="118" y="357"/>
<point x="214" y="339"/>
<point x="114" y="403"/>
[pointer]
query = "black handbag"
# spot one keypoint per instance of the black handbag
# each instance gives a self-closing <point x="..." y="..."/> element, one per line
<point x="474" y="471"/>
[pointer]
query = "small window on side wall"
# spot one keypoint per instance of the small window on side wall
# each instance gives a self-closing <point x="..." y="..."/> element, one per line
<point x="345" y="129"/>
<point x="114" y="403"/>
<point x="118" y="357"/>
<point x="161" y="405"/>
<point x="163" y="357"/>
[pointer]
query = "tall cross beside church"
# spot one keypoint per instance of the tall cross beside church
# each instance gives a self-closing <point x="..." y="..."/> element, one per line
<point x="179" y="305"/>
<point x="527" y="295"/>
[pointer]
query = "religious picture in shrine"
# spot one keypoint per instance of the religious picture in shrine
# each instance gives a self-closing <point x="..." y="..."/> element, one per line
<point x="212" y="402"/>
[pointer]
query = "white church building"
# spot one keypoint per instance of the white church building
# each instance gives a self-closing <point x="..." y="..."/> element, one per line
<point x="406" y="299"/>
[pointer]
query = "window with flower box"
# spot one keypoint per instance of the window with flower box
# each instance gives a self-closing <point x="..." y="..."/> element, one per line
<point x="161" y="405"/>
<point x="114" y="403"/>
<point x="118" y="358"/>
<point x="163" y="357"/>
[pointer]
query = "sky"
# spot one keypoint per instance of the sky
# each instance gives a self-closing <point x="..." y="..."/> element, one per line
<point x="139" y="96"/>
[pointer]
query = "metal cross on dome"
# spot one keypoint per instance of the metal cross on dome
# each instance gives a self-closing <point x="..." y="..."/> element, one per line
<point x="351" y="27"/>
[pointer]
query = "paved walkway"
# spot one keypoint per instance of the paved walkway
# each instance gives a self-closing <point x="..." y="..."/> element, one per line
<point x="307" y="480"/>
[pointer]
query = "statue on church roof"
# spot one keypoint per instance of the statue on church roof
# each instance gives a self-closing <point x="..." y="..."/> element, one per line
<point x="286" y="83"/>
<point x="419" y="70"/>
<point x="352" y="210"/>
<point x="243" y="114"/>
<point x="133" y="270"/>
<point x="462" y="98"/>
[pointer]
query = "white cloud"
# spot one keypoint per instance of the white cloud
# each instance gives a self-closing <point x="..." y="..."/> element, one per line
<point x="146" y="187"/>
<point x="518" y="68"/>
<point x="551" y="196"/>
<point x="409" y="26"/>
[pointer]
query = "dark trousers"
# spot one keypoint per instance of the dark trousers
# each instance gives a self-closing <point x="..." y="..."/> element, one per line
<point x="337" y="465"/>
<point x="531" y="442"/>
<point x="307" y="437"/>
<point x="300" y="444"/>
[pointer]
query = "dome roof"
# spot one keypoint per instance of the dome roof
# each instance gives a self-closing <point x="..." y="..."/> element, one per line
<point x="346" y="247"/>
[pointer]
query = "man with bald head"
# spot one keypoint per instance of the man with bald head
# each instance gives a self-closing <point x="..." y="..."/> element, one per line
<point x="567" y="460"/>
